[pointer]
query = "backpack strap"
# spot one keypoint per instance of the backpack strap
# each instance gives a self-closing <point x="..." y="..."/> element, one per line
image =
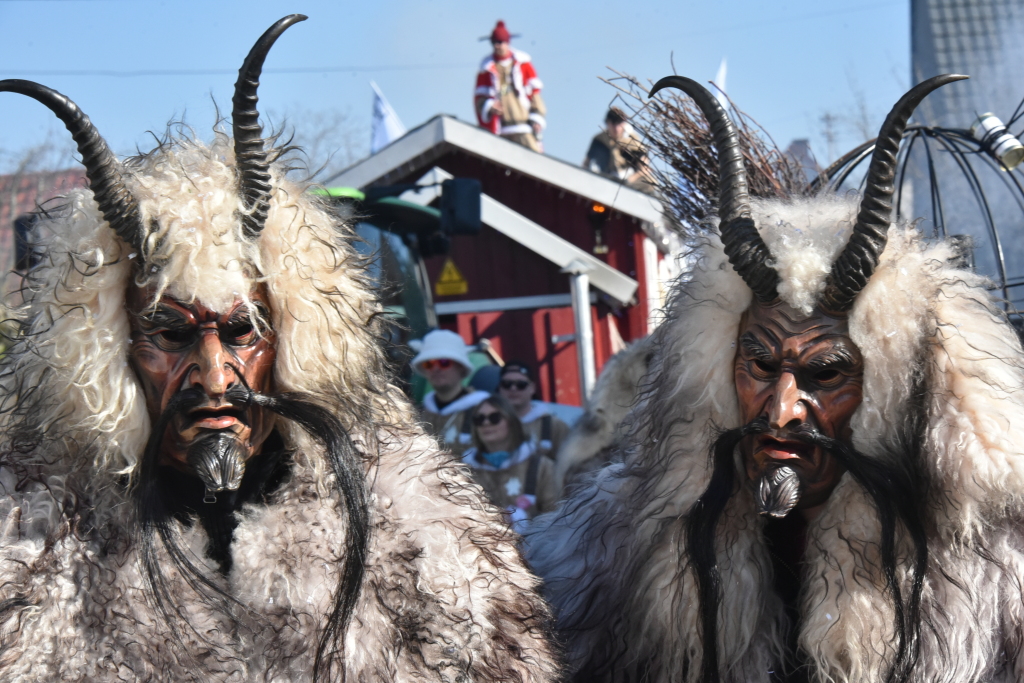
<point x="532" y="471"/>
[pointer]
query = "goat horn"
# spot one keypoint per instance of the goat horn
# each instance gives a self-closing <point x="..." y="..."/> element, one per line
<point x="102" y="168"/>
<point x="747" y="252"/>
<point x="250" y="156"/>
<point x="852" y="270"/>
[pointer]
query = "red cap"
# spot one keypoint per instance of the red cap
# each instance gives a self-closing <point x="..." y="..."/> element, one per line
<point x="500" y="34"/>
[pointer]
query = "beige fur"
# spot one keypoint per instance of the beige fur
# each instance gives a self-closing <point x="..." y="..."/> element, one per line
<point x="612" y="555"/>
<point x="589" y="444"/>
<point x="445" y="596"/>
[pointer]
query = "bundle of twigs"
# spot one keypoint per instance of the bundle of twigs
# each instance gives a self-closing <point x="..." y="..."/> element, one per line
<point x="685" y="167"/>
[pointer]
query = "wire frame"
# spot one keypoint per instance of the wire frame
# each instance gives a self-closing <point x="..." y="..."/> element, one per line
<point x="955" y="187"/>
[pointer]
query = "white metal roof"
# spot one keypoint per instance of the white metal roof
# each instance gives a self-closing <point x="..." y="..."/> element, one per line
<point x="420" y="147"/>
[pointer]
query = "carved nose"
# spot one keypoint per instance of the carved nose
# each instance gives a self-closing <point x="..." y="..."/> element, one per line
<point x="787" y="403"/>
<point x="213" y="371"/>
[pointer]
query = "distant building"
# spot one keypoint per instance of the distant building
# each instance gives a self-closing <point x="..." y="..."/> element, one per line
<point x="21" y="195"/>
<point x="799" y="150"/>
<point x="979" y="205"/>
<point x="979" y="38"/>
<point x="544" y="222"/>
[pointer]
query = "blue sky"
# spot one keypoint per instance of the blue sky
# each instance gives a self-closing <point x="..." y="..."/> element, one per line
<point x="789" y="61"/>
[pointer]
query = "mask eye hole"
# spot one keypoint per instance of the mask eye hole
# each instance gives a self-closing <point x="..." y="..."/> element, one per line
<point x="241" y="333"/>
<point x="827" y="376"/>
<point x="174" y="339"/>
<point x="762" y="369"/>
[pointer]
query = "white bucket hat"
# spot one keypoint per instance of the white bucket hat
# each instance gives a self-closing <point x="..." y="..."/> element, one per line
<point x="440" y="344"/>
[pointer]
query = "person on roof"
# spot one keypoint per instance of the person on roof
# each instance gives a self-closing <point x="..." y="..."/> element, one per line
<point x="443" y="360"/>
<point x="618" y="152"/>
<point x="507" y="97"/>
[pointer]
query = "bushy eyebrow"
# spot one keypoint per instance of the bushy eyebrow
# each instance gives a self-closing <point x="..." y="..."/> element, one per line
<point x="753" y="346"/>
<point x="838" y="355"/>
<point x="165" y="316"/>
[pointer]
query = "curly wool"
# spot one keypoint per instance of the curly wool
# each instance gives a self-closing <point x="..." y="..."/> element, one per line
<point x="589" y="444"/>
<point x="322" y="304"/>
<point x="612" y="556"/>
<point x="445" y="594"/>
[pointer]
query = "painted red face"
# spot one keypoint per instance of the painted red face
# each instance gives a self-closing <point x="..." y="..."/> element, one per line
<point x="797" y="370"/>
<point x="178" y="346"/>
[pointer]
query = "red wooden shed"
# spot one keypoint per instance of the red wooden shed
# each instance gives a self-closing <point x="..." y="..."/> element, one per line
<point x="521" y="270"/>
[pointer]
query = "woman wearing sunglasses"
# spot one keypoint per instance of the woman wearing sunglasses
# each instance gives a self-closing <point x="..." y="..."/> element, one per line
<point x="515" y="475"/>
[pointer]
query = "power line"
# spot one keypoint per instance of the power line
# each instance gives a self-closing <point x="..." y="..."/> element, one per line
<point x="153" y="73"/>
<point x="141" y="73"/>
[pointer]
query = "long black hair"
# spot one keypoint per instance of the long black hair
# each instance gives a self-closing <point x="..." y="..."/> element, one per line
<point x="155" y="515"/>
<point x="898" y="488"/>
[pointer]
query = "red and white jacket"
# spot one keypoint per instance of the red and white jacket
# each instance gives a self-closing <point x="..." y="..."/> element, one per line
<point x="526" y="84"/>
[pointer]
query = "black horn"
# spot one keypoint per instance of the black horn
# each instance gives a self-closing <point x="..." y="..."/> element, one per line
<point x="747" y="252"/>
<point x="102" y="168"/>
<point x="858" y="260"/>
<point x="250" y="156"/>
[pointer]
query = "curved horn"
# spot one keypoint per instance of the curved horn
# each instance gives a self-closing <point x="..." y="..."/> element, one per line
<point x="102" y="168"/>
<point x="857" y="262"/>
<point x="747" y="252"/>
<point x="250" y="157"/>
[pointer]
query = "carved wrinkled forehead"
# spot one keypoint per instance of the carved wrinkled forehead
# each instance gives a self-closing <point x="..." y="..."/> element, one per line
<point x="779" y="328"/>
<point x="147" y="307"/>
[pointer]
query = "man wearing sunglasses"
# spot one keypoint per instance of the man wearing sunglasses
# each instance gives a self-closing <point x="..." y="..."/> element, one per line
<point x="545" y="431"/>
<point x="443" y="360"/>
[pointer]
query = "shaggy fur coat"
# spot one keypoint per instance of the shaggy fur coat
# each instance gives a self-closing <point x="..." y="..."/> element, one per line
<point x="589" y="445"/>
<point x="445" y="595"/>
<point x="940" y="360"/>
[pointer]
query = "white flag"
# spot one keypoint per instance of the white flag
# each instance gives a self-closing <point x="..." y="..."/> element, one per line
<point x="720" y="82"/>
<point x="386" y="126"/>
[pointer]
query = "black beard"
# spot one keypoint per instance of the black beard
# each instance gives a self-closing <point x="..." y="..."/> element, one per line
<point x="897" y="487"/>
<point x="218" y="459"/>
<point x="156" y="520"/>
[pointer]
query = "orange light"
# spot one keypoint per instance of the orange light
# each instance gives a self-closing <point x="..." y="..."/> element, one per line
<point x="598" y="208"/>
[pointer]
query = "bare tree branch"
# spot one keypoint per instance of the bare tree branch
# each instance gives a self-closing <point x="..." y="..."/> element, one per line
<point x="686" y="171"/>
<point x="329" y="140"/>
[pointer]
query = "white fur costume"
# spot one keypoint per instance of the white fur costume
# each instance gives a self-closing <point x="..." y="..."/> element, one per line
<point x="590" y="442"/>
<point x="612" y="556"/>
<point x="445" y="596"/>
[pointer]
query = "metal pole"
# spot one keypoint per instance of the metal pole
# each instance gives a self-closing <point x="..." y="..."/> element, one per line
<point x="423" y="280"/>
<point x="579" y="283"/>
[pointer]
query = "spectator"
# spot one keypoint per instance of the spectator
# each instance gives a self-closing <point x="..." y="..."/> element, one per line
<point x="515" y="476"/>
<point x="507" y="97"/>
<point x="545" y="431"/>
<point x="618" y="152"/>
<point x="443" y="360"/>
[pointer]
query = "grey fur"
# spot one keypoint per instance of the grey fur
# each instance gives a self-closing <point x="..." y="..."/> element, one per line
<point x="445" y="594"/>
<point x="589" y="445"/>
<point x="938" y="354"/>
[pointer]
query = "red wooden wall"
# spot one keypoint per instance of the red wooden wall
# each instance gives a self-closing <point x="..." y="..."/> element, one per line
<point x="496" y="267"/>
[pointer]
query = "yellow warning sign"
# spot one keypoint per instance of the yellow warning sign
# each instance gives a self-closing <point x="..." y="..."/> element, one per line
<point x="451" y="282"/>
